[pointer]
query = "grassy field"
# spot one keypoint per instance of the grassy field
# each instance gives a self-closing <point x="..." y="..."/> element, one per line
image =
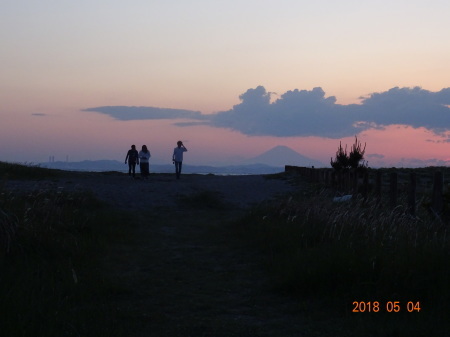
<point x="72" y="266"/>
<point x="52" y="244"/>
<point x="383" y="272"/>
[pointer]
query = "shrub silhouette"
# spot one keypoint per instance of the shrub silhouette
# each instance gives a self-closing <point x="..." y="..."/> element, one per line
<point x="341" y="160"/>
<point x="353" y="160"/>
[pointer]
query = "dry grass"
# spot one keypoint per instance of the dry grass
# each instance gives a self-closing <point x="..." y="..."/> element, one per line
<point x="50" y="246"/>
<point x="356" y="251"/>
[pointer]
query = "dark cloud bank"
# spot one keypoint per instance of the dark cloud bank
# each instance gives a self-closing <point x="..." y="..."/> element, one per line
<point x="128" y="113"/>
<point x="311" y="113"/>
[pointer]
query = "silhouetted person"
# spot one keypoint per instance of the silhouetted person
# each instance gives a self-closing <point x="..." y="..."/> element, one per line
<point x="144" y="156"/>
<point x="133" y="159"/>
<point x="177" y="157"/>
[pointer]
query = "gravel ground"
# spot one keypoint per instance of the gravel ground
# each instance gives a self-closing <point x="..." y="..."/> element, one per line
<point x="161" y="190"/>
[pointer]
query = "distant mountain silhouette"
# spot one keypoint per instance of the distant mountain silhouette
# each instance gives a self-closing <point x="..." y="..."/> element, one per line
<point x="271" y="161"/>
<point x="87" y="165"/>
<point x="280" y="155"/>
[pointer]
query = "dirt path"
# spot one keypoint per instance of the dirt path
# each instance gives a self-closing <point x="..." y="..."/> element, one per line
<point x="161" y="190"/>
<point x="190" y="277"/>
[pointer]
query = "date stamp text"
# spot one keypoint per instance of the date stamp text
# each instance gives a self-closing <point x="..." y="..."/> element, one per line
<point x="389" y="306"/>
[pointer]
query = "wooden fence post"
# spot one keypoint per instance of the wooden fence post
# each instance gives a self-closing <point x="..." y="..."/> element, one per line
<point x="365" y="189"/>
<point x="393" y="190"/>
<point x="412" y="194"/>
<point x="327" y="177"/>
<point x="354" y="185"/>
<point x="378" y="186"/>
<point x="437" y="202"/>
<point x="348" y="182"/>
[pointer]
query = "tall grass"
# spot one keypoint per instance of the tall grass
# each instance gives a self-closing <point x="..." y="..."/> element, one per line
<point x="26" y="171"/>
<point x="51" y="283"/>
<point x="355" y="251"/>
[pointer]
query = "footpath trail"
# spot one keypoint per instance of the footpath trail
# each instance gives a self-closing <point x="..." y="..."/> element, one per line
<point x="187" y="276"/>
<point x="162" y="190"/>
<point x="190" y="276"/>
<point x="182" y="270"/>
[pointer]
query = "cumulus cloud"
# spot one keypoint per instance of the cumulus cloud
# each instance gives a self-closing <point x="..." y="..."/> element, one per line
<point x="311" y="113"/>
<point x="127" y="113"/>
<point x="409" y="106"/>
<point x="295" y="113"/>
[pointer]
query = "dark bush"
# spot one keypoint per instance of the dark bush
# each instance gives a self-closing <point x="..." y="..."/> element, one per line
<point x="353" y="160"/>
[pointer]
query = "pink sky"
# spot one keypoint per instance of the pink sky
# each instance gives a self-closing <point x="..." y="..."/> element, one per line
<point x="58" y="59"/>
<point x="81" y="135"/>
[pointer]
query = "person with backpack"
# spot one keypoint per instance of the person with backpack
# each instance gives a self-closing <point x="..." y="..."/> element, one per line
<point x="133" y="159"/>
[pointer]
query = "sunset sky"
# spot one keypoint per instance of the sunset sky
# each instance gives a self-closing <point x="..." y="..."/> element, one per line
<point x="232" y="79"/>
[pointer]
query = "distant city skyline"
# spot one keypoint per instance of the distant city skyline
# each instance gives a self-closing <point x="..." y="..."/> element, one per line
<point x="231" y="79"/>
